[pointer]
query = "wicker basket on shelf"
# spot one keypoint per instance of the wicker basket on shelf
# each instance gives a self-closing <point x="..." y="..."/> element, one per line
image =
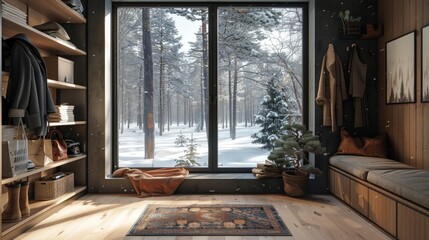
<point x="51" y="189"/>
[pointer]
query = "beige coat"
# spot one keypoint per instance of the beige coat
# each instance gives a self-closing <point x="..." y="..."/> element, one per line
<point x="332" y="89"/>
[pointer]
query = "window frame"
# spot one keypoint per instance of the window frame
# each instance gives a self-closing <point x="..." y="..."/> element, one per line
<point x="213" y="70"/>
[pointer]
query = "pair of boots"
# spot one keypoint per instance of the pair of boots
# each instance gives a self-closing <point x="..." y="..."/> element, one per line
<point x="18" y="204"/>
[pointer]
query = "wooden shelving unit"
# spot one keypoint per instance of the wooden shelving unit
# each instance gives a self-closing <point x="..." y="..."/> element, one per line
<point x="40" y="12"/>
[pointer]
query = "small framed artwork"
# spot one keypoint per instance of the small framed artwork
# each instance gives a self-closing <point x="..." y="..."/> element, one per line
<point x="401" y="69"/>
<point x="425" y="64"/>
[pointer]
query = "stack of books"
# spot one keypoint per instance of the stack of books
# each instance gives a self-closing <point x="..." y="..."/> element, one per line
<point x="14" y="14"/>
<point x="66" y="113"/>
<point x="63" y="113"/>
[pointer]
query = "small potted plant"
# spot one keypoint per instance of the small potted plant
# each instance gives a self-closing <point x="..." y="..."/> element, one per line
<point x="291" y="153"/>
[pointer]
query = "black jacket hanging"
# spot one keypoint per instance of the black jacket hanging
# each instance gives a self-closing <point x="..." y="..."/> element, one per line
<point x="27" y="90"/>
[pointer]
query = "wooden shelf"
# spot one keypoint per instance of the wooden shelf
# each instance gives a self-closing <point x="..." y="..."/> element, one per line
<point x="52" y="83"/>
<point x="38" y="208"/>
<point x="40" y="39"/>
<point x="58" y="124"/>
<point x="41" y="169"/>
<point x="64" y="85"/>
<point x="55" y="10"/>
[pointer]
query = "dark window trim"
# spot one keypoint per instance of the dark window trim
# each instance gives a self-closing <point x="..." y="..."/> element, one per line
<point x="212" y="55"/>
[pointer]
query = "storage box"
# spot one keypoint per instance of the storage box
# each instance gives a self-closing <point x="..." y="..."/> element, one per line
<point x="47" y="190"/>
<point x="60" y="69"/>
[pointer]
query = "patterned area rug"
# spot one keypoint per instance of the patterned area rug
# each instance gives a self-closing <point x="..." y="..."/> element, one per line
<point x="210" y="220"/>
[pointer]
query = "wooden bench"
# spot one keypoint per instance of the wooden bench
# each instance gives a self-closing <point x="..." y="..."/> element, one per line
<point x="393" y="195"/>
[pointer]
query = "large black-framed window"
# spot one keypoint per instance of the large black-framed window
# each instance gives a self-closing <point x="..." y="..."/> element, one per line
<point x="223" y="76"/>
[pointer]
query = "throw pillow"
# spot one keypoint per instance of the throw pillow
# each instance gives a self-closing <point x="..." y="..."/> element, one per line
<point x="363" y="146"/>
<point x="376" y="146"/>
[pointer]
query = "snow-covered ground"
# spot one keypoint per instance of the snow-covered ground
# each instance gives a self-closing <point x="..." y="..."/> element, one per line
<point x="240" y="152"/>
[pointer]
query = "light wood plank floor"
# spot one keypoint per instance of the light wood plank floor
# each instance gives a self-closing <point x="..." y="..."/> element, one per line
<point x="109" y="217"/>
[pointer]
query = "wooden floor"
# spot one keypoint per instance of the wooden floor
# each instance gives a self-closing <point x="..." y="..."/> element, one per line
<point x="95" y="217"/>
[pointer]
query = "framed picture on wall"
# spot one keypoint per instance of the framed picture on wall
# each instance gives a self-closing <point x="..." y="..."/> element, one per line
<point x="401" y="69"/>
<point x="425" y="64"/>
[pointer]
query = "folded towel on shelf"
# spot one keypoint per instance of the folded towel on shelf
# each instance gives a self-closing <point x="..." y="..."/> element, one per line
<point x="53" y="28"/>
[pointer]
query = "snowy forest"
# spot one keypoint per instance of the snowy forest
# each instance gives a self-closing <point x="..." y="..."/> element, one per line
<point x="162" y="87"/>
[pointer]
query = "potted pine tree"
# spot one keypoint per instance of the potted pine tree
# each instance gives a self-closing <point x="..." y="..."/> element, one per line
<point x="291" y="153"/>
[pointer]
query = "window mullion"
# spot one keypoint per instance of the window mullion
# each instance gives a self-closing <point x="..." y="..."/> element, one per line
<point x="213" y="119"/>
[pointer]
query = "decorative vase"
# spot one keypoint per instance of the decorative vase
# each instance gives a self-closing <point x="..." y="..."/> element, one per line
<point x="295" y="182"/>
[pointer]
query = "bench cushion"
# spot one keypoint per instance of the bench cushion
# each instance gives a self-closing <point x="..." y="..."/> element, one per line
<point x="411" y="184"/>
<point x="359" y="166"/>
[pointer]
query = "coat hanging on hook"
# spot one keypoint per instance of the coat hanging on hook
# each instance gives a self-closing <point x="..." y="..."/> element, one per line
<point x="332" y="89"/>
<point x="357" y="70"/>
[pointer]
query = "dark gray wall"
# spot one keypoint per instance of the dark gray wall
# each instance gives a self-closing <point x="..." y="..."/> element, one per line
<point x="328" y="30"/>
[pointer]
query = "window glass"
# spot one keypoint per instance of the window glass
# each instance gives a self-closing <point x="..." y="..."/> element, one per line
<point x="162" y="87"/>
<point x="259" y="80"/>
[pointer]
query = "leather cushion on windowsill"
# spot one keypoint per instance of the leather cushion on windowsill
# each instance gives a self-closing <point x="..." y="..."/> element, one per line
<point x="412" y="184"/>
<point x="359" y="166"/>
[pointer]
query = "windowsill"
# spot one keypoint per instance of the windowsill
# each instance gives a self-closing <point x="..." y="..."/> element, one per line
<point x="221" y="176"/>
<point x="225" y="183"/>
<point x="210" y="176"/>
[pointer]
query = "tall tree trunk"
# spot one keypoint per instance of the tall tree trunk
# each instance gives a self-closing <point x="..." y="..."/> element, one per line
<point x="221" y="108"/>
<point x="139" y="110"/>
<point x="202" y="100"/>
<point x="121" y="78"/>
<point x="178" y="109"/>
<point x="168" y="110"/>
<point x="191" y="114"/>
<point x="128" y="111"/>
<point x="161" y="89"/>
<point x="230" y="96"/>
<point x="205" y="74"/>
<point x="227" y="109"/>
<point x="252" y="108"/>
<point x="185" y="110"/>
<point x="148" y="86"/>
<point x="234" y="98"/>
<point x="160" y="106"/>
<point x="245" y="110"/>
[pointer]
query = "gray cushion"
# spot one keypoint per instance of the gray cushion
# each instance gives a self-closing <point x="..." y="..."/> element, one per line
<point x="359" y="166"/>
<point x="412" y="184"/>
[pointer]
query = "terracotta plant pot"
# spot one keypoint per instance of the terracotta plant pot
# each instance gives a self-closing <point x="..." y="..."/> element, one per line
<point x="295" y="185"/>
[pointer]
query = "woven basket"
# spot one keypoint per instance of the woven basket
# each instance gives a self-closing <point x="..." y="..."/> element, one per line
<point x="352" y="29"/>
<point x="47" y="190"/>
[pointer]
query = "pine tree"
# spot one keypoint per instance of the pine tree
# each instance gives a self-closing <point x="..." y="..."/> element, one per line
<point x="293" y="146"/>
<point x="271" y="116"/>
<point x="166" y="45"/>
<point x="191" y="155"/>
<point x="181" y="140"/>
